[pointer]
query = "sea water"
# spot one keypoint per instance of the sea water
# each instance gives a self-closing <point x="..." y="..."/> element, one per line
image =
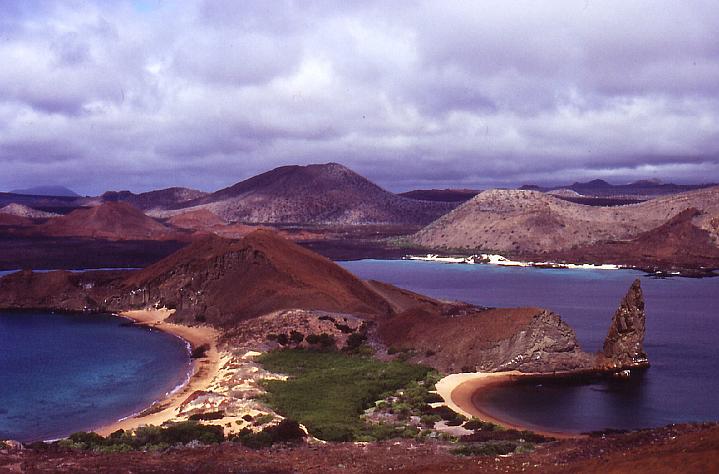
<point x="61" y="373"/>
<point x="682" y="340"/>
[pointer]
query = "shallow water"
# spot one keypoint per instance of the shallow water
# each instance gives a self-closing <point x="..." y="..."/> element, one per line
<point x="61" y="373"/>
<point x="682" y="340"/>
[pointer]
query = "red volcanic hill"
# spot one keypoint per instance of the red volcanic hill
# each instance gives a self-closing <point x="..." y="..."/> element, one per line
<point x="199" y="219"/>
<point x="326" y="194"/>
<point x="111" y="220"/>
<point x="222" y="281"/>
<point x="11" y="220"/>
<point x="676" y="243"/>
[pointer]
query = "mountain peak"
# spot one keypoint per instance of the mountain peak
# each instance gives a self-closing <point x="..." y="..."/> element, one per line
<point x="47" y="190"/>
<point x="319" y="194"/>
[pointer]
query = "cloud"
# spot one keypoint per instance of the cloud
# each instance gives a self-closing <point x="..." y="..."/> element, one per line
<point x="147" y="94"/>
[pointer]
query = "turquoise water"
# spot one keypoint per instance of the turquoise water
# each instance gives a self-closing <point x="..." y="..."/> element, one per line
<point x="61" y="373"/>
<point x="682" y="340"/>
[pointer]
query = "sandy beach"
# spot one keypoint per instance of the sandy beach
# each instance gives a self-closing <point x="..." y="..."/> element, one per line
<point x="203" y="370"/>
<point x="458" y="390"/>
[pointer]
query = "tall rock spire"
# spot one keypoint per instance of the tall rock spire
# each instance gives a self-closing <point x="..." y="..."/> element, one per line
<point x="624" y="345"/>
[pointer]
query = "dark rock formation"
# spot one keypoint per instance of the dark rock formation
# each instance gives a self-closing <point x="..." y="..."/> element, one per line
<point x="624" y="345"/>
<point x="455" y="338"/>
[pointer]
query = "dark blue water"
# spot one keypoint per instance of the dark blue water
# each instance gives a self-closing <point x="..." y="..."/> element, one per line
<point x="682" y="340"/>
<point x="61" y="373"/>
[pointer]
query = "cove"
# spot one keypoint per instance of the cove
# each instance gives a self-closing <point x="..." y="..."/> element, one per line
<point x="682" y="330"/>
<point x="61" y="373"/>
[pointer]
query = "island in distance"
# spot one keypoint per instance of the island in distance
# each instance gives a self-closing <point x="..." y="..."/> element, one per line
<point x="342" y="215"/>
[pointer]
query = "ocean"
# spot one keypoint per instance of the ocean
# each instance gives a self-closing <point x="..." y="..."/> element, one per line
<point x="682" y="340"/>
<point x="61" y="373"/>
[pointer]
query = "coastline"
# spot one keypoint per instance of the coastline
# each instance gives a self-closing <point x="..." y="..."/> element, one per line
<point x="458" y="391"/>
<point x="202" y="373"/>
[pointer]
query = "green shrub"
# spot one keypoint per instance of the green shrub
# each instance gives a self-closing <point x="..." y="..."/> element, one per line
<point x="490" y="448"/>
<point x="328" y="391"/>
<point x="212" y="415"/>
<point x="344" y="328"/>
<point x="263" y="419"/>
<point x="187" y="431"/>
<point x="429" y="420"/>
<point x="89" y="438"/>
<point x="296" y="337"/>
<point x="286" y="431"/>
<point x="355" y="340"/>
<point x="474" y="424"/>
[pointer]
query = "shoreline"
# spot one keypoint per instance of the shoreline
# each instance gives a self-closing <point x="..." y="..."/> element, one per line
<point x="458" y="391"/>
<point x="202" y="372"/>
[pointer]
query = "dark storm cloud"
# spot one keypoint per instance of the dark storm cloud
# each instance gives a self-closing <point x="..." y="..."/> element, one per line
<point x="145" y="94"/>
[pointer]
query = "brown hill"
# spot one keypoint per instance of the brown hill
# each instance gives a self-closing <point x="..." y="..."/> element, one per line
<point x="159" y="199"/>
<point x="200" y="219"/>
<point x="677" y="243"/>
<point x="328" y="194"/>
<point x="222" y="281"/>
<point x="12" y="220"/>
<point x="111" y="221"/>
<point x="521" y="222"/>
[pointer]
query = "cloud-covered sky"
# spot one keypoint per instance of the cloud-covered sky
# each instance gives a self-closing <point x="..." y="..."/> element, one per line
<point x="146" y="94"/>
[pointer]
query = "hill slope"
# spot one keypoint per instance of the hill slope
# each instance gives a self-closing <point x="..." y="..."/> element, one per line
<point x="328" y="194"/>
<point x="223" y="281"/>
<point x="25" y="211"/>
<point x="522" y="222"/>
<point x="111" y="220"/>
<point x="159" y="199"/>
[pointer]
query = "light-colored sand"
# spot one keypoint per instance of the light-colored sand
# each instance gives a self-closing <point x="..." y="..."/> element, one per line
<point x="458" y="391"/>
<point x="203" y="372"/>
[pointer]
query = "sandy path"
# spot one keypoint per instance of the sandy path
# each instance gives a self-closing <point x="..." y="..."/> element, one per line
<point x="458" y="391"/>
<point x="203" y="372"/>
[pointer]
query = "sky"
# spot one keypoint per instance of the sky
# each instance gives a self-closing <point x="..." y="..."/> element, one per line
<point x="147" y="94"/>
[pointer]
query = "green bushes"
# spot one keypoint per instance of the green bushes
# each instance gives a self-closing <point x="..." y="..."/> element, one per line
<point x="328" y="391"/>
<point x="475" y="424"/>
<point x="213" y="415"/>
<point x="148" y="438"/>
<point x="324" y="340"/>
<point x="492" y="448"/>
<point x="286" y="431"/>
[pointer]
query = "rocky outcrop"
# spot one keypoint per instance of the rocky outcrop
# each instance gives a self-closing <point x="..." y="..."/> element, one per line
<point x="458" y="338"/>
<point x="624" y="345"/>
<point x="547" y="344"/>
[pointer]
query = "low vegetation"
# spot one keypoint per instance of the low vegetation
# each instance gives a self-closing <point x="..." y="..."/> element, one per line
<point x="155" y="438"/>
<point x="329" y="391"/>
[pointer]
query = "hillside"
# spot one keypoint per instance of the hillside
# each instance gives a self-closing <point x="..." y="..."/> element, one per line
<point x="223" y="281"/>
<point x="111" y="221"/>
<point x="328" y="194"/>
<point x="159" y="199"/>
<point x="200" y="219"/>
<point x="25" y="211"/>
<point x="644" y="189"/>
<point x="522" y="222"/>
